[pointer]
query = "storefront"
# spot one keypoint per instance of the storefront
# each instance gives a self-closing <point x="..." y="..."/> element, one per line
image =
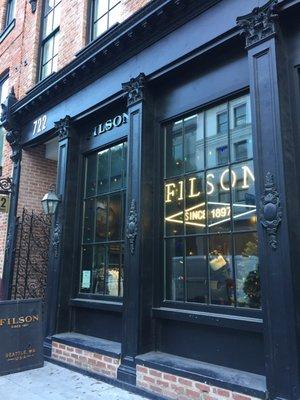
<point x="174" y="247"/>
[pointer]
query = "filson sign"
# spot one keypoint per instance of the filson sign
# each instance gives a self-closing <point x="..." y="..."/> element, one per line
<point x="207" y="207"/>
<point x="110" y="124"/>
<point x="20" y="335"/>
<point x="19" y="322"/>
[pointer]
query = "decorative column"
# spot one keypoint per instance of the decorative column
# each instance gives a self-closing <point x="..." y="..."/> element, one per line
<point x="278" y="202"/>
<point x="13" y="136"/>
<point x="62" y="244"/>
<point x="137" y="337"/>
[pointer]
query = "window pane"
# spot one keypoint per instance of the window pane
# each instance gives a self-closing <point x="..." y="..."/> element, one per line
<point x="240" y="115"/>
<point x="48" y="50"/>
<point x="99" y="269"/>
<point x="216" y="137"/>
<point x="193" y="143"/>
<point x="112" y="283"/>
<point x="86" y="268"/>
<point x="48" y="24"/>
<point x="54" y="64"/>
<point x="100" y="8"/>
<point x="103" y="171"/>
<point x="101" y="218"/>
<point x="91" y="173"/>
<point x="114" y="15"/>
<point x="116" y="167"/>
<point x="248" y="291"/>
<point x="115" y="217"/>
<point x="222" y="155"/>
<point x="88" y="221"/>
<point x="196" y="269"/>
<point x="174" y="150"/>
<point x="174" y="207"/>
<point x="174" y="256"/>
<point x="100" y="26"/>
<point x="243" y="197"/>
<point x="195" y="213"/>
<point x="11" y="11"/>
<point x="56" y="17"/>
<point x="222" y="122"/>
<point x="221" y="270"/>
<point x="218" y="200"/>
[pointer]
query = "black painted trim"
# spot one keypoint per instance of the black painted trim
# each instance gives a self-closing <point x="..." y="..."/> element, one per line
<point x="208" y="318"/>
<point x="89" y="343"/>
<point x="7" y="30"/>
<point x="222" y="377"/>
<point x="97" y="304"/>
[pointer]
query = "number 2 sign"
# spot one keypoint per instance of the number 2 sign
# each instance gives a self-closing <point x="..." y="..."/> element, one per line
<point x="4" y="204"/>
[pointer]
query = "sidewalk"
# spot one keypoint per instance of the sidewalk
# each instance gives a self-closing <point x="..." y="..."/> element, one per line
<point x="56" y="383"/>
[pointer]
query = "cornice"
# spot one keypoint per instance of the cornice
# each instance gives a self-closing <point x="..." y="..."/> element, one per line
<point x="106" y="52"/>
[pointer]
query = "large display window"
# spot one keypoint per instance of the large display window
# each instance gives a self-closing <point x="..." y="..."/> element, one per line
<point x="210" y="239"/>
<point x="102" y="250"/>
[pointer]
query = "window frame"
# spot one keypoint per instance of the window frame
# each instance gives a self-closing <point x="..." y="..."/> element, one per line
<point x="9" y="5"/>
<point x="44" y="40"/>
<point x="236" y="126"/>
<point x="92" y="21"/>
<point x="107" y="142"/>
<point x="161" y="302"/>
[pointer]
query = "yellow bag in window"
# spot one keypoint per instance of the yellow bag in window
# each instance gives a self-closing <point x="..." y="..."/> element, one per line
<point x="217" y="263"/>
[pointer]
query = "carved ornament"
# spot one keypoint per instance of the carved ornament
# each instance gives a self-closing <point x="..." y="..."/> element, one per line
<point x="270" y="210"/>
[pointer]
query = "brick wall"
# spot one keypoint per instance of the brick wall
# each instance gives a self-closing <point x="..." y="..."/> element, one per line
<point x="93" y="362"/>
<point x="175" y="387"/>
<point x="38" y="174"/>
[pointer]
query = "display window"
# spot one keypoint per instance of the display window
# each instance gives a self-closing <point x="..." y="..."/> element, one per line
<point x="102" y="250"/>
<point x="210" y="238"/>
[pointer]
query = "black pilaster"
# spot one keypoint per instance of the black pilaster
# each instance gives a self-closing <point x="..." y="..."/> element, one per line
<point x="277" y="199"/>
<point x="61" y="250"/>
<point x="138" y="280"/>
<point x="13" y="136"/>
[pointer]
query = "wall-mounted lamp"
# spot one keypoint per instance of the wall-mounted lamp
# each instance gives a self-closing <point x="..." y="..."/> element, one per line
<point x="50" y="202"/>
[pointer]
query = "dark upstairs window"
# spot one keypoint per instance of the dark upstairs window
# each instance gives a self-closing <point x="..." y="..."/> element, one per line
<point x="102" y="250"/>
<point x="210" y="234"/>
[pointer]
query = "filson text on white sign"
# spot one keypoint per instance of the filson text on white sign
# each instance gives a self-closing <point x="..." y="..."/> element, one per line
<point x="110" y="124"/>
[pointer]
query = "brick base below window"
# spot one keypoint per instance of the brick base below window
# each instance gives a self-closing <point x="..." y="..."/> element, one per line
<point x="175" y="387"/>
<point x="87" y="360"/>
<point x="153" y="381"/>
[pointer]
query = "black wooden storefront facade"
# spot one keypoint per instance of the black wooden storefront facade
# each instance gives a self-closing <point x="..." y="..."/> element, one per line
<point x="170" y="60"/>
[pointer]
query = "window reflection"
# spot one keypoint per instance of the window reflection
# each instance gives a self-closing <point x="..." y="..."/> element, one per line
<point x="209" y="190"/>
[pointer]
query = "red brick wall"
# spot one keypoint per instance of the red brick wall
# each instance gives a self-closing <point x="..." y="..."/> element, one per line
<point x="93" y="362"/>
<point x="175" y="387"/>
<point x="38" y="174"/>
